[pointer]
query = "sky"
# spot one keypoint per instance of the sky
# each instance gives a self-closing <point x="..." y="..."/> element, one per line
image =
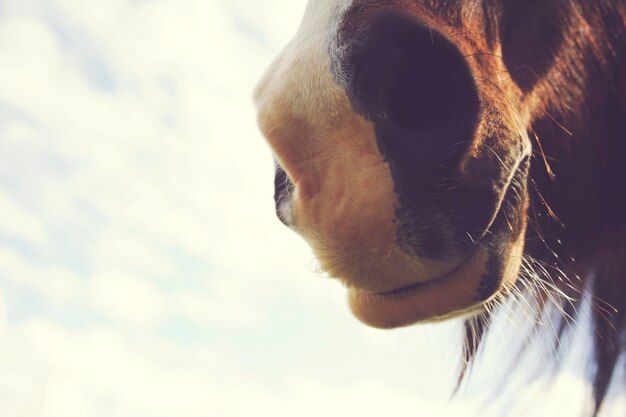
<point x="142" y="269"/>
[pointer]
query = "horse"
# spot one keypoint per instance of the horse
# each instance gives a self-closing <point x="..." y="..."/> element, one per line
<point x="444" y="157"/>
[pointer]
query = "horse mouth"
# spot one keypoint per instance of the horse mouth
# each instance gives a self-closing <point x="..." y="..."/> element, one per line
<point x="489" y="269"/>
<point x="422" y="302"/>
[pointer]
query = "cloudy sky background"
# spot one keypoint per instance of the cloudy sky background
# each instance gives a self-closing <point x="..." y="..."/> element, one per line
<point x="142" y="270"/>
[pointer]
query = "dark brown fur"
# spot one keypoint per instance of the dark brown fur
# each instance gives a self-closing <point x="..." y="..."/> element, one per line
<point x="574" y="68"/>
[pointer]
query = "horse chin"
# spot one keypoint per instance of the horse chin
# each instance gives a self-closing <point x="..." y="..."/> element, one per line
<point x="466" y="290"/>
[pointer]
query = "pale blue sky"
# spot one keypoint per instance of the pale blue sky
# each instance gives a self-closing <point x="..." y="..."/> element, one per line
<point x="142" y="270"/>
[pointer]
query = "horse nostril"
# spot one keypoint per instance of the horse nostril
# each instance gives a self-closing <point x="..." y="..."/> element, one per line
<point x="283" y="188"/>
<point x="404" y="73"/>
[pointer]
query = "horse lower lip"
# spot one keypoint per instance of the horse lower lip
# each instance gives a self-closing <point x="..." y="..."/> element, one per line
<point x="451" y="294"/>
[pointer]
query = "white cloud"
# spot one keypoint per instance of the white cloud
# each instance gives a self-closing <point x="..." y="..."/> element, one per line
<point x="122" y="249"/>
<point x="103" y="370"/>
<point x="18" y="222"/>
<point x="126" y="297"/>
<point x="59" y="285"/>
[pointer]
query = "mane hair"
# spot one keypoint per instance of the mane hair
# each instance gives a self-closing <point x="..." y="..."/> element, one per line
<point x="576" y="239"/>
